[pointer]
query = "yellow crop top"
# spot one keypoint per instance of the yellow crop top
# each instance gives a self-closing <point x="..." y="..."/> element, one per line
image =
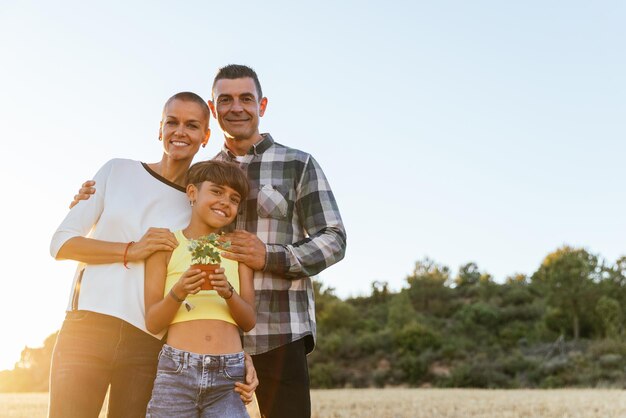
<point x="207" y="303"/>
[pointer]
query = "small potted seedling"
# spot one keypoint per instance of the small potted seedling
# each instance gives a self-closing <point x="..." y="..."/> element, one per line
<point x="205" y="255"/>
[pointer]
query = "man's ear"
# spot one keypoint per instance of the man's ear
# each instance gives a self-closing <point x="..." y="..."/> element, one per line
<point x="212" y="107"/>
<point x="262" y="106"/>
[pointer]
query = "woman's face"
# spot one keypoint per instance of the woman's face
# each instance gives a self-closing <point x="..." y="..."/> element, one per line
<point x="184" y="127"/>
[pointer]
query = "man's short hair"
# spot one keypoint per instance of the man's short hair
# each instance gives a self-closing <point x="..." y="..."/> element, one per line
<point x="187" y="96"/>
<point x="222" y="173"/>
<point x="235" y="71"/>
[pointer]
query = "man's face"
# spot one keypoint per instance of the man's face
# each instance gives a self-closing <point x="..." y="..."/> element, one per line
<point x="237" y="108"/>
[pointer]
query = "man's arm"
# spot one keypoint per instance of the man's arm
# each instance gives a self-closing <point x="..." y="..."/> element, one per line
<point x="324" y="245"/>
<point x="319" y="214"/>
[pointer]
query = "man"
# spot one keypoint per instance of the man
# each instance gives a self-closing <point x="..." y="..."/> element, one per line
<point x="288" y="230"/>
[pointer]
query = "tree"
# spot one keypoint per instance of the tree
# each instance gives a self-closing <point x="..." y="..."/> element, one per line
<point x="400" y="312"/>
<point x="610" y="314"/>
<point x="614" y="282"/>
<point x="516" y="278"/>
<point x="428" y="289"/>
<point x="323" y="295"/>
<point x="568" y="276"/>
<point x="469" y="275"/>
<point x="31" y="371"/>
<point x="380" y="290"/>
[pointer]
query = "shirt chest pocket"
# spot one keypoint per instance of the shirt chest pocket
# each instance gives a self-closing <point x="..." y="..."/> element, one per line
<point x="272" y="201"/>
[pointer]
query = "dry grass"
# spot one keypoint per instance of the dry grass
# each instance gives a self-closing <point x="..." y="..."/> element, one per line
<point x="466" y="403"/>
<point x="418" y="403"/>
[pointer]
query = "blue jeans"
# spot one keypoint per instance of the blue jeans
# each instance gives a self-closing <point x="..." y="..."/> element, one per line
<point x="197" y="385"/>
<point x="94" y="351"/>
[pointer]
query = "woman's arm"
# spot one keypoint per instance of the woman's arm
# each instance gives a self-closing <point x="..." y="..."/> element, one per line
<point x="241" y="305"/>
<point x="70" y="239"/>
<point x="94" y="251"/>
<point x="161" y="310"/>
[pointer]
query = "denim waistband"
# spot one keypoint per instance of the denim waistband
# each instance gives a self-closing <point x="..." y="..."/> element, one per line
<point x="194" y="359"/>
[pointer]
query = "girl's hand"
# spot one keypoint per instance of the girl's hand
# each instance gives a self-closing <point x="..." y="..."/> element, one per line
<point x="189" y="283"/>
<point x="220" y="284"/>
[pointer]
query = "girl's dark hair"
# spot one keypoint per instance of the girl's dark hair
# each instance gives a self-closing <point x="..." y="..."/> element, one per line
<point x="219" y="172"/>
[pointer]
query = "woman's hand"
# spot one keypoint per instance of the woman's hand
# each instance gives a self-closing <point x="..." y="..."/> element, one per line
<point x="246" y="390"/>
<point x="155" y="239"/>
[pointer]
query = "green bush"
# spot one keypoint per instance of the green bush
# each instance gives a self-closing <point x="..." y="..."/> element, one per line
<point x="370" y="343"/>
<point x="479" y="313"/>
<point x="517" y="295"/>
<point x="512" y="333"/>
<point x="481" y="374"/>
<point x="415" y="338"/>
<point x="326" y="375"/>
<point x="599" y="348"/>
<point x="411" y="368"/>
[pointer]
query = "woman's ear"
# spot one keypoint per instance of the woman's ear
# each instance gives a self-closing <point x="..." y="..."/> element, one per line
<point x="212" y="108"/>
<point x="206" y="138"/>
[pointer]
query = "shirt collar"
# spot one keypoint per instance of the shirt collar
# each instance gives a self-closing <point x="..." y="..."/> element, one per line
<point x="256" y="149"/>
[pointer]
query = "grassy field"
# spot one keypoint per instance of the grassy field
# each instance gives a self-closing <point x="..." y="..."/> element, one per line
<point x="418" y="403"/>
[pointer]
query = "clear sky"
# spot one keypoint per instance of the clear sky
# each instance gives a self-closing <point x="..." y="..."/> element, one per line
<point x="482" y="131"/>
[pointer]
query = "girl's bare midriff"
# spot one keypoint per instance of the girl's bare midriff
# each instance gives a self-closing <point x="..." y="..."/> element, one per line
<point x="205" y="336"/>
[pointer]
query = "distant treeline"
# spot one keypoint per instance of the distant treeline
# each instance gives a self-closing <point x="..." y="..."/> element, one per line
<point x="562" y="326"/>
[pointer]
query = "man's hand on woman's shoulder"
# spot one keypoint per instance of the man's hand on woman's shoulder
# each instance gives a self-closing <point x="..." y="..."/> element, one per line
<point x="84" y="193"/>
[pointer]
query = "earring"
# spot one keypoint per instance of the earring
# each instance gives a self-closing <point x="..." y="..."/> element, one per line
<point x="191" y="202"/>
<point x="203" y="145"/>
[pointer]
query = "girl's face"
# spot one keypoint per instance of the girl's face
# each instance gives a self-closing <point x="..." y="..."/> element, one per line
<point x="216" y="205"/>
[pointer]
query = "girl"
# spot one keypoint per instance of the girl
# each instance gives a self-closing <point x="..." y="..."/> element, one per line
<point x="202" y="358"/>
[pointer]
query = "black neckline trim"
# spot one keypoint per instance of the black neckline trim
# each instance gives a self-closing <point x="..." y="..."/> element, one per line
<point x="163" y="179"/>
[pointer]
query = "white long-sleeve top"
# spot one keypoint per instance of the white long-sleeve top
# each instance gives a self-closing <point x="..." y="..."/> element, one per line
<point x="130" y="198"/>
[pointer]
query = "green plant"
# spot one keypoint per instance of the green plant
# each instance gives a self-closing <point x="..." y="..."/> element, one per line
<point x="204" y="250"/>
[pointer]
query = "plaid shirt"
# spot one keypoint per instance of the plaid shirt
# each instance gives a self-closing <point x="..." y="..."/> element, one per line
<point x="291" y="208"/>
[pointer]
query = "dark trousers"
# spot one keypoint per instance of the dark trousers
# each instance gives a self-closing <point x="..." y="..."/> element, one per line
<point x="94" y="351"/>
<point x="283" y="374"/>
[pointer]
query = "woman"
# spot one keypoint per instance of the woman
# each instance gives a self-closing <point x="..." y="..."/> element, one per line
<point x="103" y="340"/>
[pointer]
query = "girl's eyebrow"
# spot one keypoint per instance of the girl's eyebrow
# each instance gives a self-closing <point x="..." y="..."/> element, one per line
<point x="222" y="186"/>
